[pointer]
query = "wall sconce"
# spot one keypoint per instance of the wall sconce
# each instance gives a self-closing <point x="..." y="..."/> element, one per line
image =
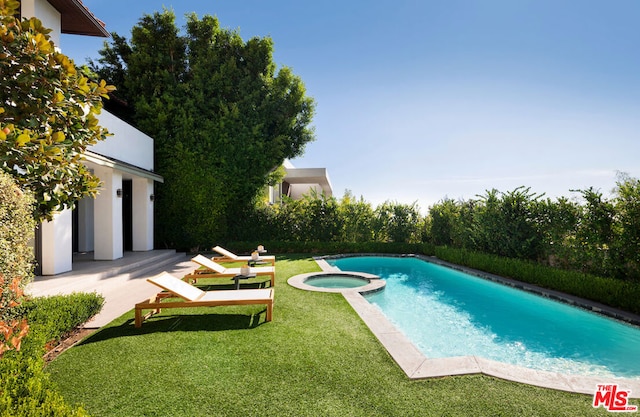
<point x="119" y="192"/>
<point x="152" y="197"/>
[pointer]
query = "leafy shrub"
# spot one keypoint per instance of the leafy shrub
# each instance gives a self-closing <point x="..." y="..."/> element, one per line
<point x="55" y="316"/>
<point x="16" y="260"/>
<point x="25" y="389"/>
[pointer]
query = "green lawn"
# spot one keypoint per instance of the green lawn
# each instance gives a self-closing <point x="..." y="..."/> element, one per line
<point x="316" y="358"/>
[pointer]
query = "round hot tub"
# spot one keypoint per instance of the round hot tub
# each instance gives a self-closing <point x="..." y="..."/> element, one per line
<point x="330" y="280"/>
<point x="337" y="282"/>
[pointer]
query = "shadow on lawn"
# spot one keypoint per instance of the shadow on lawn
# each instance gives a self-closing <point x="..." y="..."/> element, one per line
<point x="164" y="323"/>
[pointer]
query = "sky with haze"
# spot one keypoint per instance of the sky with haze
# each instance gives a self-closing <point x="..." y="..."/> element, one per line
<point x="417" y="101"/>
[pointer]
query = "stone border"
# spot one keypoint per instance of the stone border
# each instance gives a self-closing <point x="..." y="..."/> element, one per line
<point x="374" y="283"/>
<point x="417" y="366"/>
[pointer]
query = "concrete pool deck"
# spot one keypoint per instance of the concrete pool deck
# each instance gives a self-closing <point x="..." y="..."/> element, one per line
<point x="417" y="366"/>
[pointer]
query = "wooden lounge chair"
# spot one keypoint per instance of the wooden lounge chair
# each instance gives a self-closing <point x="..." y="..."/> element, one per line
<point x="212" y="269"/>
<point x="195" y="297"/>
<point x="228" y="256"/>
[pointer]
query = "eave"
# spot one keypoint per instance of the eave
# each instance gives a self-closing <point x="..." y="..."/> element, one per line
<point x="76" y="19"/>
<point x="121" y="166"/>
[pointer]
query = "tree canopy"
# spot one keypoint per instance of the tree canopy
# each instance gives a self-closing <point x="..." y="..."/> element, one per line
<point x="221" y="113"/>
<point x="47" y="115"/>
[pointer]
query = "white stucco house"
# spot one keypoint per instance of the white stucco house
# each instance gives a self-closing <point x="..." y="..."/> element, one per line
<point x="121" y="217"/>
<point x="298" y="182"/>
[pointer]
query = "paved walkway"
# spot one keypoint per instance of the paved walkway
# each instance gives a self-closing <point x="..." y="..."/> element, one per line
<point x="122" y="282"/>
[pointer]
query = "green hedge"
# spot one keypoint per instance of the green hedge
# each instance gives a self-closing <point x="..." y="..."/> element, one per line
<point x="327" y="248"/>
<point x="25" y="389"/>
<point x="55" y="316"/>
<point x="16" y="259"/>
<point x="609" y="291"/>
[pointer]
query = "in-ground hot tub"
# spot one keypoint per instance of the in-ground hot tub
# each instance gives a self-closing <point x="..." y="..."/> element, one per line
<point x="336" y="281"/>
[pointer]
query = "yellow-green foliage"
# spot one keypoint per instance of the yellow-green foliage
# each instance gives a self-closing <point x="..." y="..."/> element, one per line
<point x="47" y="114"/>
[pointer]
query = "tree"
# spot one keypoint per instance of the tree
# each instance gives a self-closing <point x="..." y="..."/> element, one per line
<point x="445" y="219"/>
<point x="627" y="207"/>
<point x="397" y="222"/>
<point x="47" y="115"/>
<point x="557" y="221"/>
<point x="217" y="99"/>
<point x="595" y="233"/>
<point x="357" y="218"/>
<point x="321" y="221"/>
<point x="507" y="224"/>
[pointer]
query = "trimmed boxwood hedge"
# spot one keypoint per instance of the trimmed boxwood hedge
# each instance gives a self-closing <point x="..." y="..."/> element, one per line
<point x="613" y="292"/>
<point x="25" y="389"/>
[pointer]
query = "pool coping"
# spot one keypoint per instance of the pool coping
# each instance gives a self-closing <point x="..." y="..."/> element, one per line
<point x="417" y="366"/>
<point x="375" y="283"/>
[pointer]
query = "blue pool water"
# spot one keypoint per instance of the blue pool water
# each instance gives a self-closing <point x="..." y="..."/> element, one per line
<point x="448" y="313"/>
<point x="336" y="281"/>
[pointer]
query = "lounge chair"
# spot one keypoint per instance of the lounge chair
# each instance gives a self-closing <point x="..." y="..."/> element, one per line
<point x="195" y="297"/>
<point x="228" y="256"/>
<point x="212" y="269"/>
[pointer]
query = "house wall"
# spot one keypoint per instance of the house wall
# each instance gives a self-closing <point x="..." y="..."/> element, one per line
<point x="127" y="144"/>
<point x="57" y="253"/>
<point x="100" y="221"/>
<point x="85" y="225"/>
<point x="142" y="214"/>
<point x="47" y="14"/>
<point x="130" y="145"/>
<point x="108" y="243"/>
<point x="297" y="191"/>
<point x="299" y="182"/>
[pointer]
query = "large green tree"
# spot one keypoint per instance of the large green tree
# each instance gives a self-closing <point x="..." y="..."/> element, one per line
<point x="627" y="203"/>
<point x="222" y="115"/>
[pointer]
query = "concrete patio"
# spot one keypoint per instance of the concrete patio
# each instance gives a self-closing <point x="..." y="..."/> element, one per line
<point x="122" y="282"/>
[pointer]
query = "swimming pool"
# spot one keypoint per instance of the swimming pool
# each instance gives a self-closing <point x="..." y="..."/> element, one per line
<point x="447" y="313"/>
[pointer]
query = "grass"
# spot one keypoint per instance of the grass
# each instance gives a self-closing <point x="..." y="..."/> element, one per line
<point x="316" y="358"/>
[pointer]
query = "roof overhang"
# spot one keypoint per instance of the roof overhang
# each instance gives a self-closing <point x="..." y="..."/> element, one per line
<point x="76" y="19"/>
<point x="317" y="176"/>
<point x="121" y="166"/>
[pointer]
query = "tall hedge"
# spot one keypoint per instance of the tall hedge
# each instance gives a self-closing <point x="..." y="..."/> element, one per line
<point x="17" y="228"/>
<point x="222" y="115"/>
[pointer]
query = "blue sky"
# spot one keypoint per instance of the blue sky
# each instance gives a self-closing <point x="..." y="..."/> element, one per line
<point x="422" y="100"/>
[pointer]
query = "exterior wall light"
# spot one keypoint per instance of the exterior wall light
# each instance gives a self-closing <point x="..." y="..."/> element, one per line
<point x="119" y="192"/>
<point x="152" y="197"/>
